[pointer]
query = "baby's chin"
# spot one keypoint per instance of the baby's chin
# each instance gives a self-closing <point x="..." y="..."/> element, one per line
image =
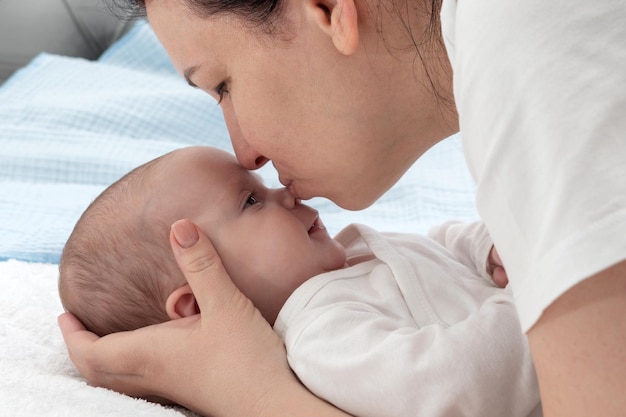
<point x="339" y="259"/>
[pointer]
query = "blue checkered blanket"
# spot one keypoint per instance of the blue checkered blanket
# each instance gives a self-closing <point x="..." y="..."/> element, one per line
<point x="69" y="127"/>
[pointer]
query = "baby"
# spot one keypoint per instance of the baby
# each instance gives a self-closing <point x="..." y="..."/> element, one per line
<point x="377" y="324"/>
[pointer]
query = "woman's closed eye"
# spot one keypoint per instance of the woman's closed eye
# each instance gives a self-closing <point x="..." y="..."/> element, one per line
<point x="221" y="90"/>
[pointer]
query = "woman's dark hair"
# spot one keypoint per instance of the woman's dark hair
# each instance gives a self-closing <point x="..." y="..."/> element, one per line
<point x="266" y="15"/>
<point x="259" y="13"/>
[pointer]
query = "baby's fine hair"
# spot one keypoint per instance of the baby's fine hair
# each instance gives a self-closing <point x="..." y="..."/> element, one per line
<point x="117" y="268"/>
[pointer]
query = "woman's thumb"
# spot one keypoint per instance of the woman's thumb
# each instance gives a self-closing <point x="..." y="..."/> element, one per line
<point x="201" y="265"/>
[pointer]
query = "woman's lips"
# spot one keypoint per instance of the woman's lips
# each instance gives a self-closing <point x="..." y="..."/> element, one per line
<point x="286" y="182"/>
<point x="289" y="185"/>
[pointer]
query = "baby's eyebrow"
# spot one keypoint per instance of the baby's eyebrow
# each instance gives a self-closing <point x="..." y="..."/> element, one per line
<point x="188" y="73"/>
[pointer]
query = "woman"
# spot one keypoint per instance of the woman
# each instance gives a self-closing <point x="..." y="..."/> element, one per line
<point x="540" y="93"/>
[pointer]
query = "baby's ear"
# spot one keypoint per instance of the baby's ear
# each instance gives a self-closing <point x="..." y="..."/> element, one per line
<point x="181" y="303"/>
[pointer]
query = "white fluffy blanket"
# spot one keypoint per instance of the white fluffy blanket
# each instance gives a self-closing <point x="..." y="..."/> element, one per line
<point x="38" y="379"/>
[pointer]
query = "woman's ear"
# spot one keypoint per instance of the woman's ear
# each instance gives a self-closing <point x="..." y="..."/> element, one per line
<point x="339" y="20"/>
<point x="181" y="303"/>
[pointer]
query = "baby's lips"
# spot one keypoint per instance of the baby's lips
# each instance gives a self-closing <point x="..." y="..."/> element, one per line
<point x="317" y="225"/>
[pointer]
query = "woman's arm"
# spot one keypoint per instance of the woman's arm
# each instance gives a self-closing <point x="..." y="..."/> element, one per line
<point x="226" y="361"/>
<point x="578" y="346"/>
<point x="539" y="103"/>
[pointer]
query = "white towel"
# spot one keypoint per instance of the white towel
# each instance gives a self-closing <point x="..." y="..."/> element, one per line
<point x="38" y="378"/>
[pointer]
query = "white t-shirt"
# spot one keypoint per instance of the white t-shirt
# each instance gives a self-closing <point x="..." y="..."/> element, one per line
<point x="540" y="87"/>
<point x="419" y="330"/>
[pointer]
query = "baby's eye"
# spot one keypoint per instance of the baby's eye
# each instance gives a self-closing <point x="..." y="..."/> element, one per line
<point x="251" y="201"/>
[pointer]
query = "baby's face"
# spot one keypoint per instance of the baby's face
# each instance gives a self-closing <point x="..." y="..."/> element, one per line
<point x="268" y="241"/>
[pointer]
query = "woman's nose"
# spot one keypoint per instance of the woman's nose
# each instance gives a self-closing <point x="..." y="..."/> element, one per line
<point x="247" y="156"/>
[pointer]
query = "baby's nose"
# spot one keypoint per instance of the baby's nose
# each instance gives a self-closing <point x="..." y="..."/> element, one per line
<point x="287" y="199"/>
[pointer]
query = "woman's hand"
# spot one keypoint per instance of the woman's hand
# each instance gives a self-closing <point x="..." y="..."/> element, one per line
<point x="226" y="361"/>
<point x="495" y="267"/>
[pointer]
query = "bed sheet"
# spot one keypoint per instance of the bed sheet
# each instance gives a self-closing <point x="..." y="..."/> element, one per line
<point x="68" y="128"/>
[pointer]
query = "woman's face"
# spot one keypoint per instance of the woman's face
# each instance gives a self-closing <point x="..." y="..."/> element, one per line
<point x="344" y="126"/>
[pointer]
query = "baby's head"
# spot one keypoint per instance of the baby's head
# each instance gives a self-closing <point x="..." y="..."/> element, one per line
<point x="117" y="271"/>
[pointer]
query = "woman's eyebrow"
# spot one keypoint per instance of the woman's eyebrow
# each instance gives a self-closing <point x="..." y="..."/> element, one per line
<point x="188" y="73"/>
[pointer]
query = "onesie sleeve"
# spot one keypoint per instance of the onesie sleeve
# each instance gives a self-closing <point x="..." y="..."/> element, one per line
<point x="470" y="243"/>
<point x="371" y="364"/>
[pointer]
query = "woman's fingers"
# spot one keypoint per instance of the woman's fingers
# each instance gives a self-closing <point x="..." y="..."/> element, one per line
<point x="500" y="277"/>
<point x="82" y="347"/>
<point x="234" y="339"/>
<point x="496" y="269"/>
<point x="93" y="359"/>
<point x="119" y="361"/>
<point x="202" y="267"/>
<point x="69" y="325"/>
<point x="77" y="339"/>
